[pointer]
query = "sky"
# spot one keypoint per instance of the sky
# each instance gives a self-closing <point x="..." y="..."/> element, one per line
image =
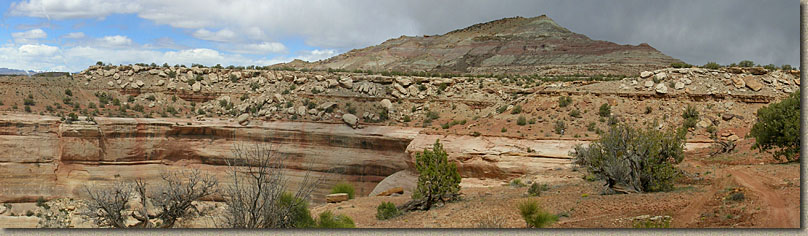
<point x="70" y="35"/>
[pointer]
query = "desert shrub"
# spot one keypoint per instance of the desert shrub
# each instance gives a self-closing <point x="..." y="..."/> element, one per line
<point x="28" y="101"/>
<point x="746" y="63"/>
<point x="633" y="160"/>
<point x="575" y="113"/>
<point x="516" y="110"/>
<point x="258" y="198"/>
<point x="681" y="65"/>
<point x="502" y="109"/>
<point x="605" y="110"/>
<point x="536" y="189"/>
<point x="521" y="121"/>
<point x="517" y="183"/>
<point x="172" y="198"/>
<point x="491" y="222"/>
<point x="653" y="224"/>
<point x="327" y="219"/>
<point x="690" y="116"/>
<point x="534" y="215"/>
<point x="712" y="65"/>
<point x="591" y="127"/>
<point x="387" y="210"/>
<point x="786" y="67"/>
<point x="27" y="108"/>
<point x="737" y="196"/>
<point x="407" y="118"/>
<point x="438" y="179"/>
<point x="560" y="127"/>
<point x="68" y="92"/>
<point x="564" y="101"/>
<point x="151" y="98"/>
<point x="778" y="128"/>
<point x="344" y="187"/>
<point x="770" y="67"/>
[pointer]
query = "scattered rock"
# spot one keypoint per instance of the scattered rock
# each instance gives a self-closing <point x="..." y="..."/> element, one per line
<point x="140" y="83"/>
<point x="300" y="80"/>
<point x="160" y="82"/>
<point x="661" y="76"/>
<point x="351" y="120"/>
<point x="753" y="84"/>
<point x="646" y="74"/>
<point x="738" y="82"/>
<point x="758" y="71"/>
<point x="679" y="85"/>
<point x="727" y="116"/>
<point x="196" y="87"/>
<point x="733" y="138"/>
<point x="336" y="197"/>
<point x="387" y="104"/>
<point x="661" y="88"/>
<point x="649" y="84"/>
<point x="703" y="124"/>
<point x="346" y="82"/>
<point x="404" y="81"/>
<point x="243" y="119"/>
<point x="396" y="190"/>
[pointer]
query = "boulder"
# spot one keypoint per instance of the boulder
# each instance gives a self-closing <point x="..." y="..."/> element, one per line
<point x="646" y="74"/>
<point x="703" y="124"/>
<point x="649" y="84"/>
<point x="278" y="97"/>
<point x="140" y="83"/>
<point x="400" y="88"/>
<point x="300" y="80"/>
<point x="758" y="70"/>
<point x="727" y="116"/>
<point x="404" y="81"/>
<point x="396" y="190"/>
<point x="661" y="76"/>
<point x="160" y="82"/>
<point x="679" y="85"/>
<point x="753" y="84"/>
<point x="738" y="82"/>
<point x="661" y="88"/>
<point x="331" y="83"/>
<point x="110" y="83"/>
<point x="346" y="82"/>
<point x="336" y="197"/>
<point x="326" y="105"/>
<point x="196" y="87"/>
<point x="735" y="70"/>
<point x="387" y="104"/>
<point x="301" y="111"/>
<point x="350" y="119"/>
<point x="243" y="119"/>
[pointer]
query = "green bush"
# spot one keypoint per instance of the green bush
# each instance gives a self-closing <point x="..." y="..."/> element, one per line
<point x="633" y="160"/>
<point x="575" y="113"/>
<point x="770" y="67"/>
<point x="681" y="65"/>
<point x="536" y="189"/>
<point x="778" y="128"/>
<point x="68" y="92"/>
<point x="516" y="110"/>
<point x="438" y="179"/>
<point x="712" y="65"/>
<point x="690" y="116"/>
<point x="387" y="210"/>
<point x="564" y="101"/>
<point x="605" y="110"/>
<point x="521" y="121"/>
<point x="746" y="63"/>
<point x="301" y="217"/>
<point x="560" y="127"/>
<point x="534" y="215"/>
<point x="786" y="67"/>
<point x="502" y="109"/>
<point x="327" y="219"/>
<point x="344" y="187"/>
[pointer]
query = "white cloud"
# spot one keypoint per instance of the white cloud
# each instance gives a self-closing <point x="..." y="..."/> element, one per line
<point x="315" y="55"/>
<point x="115" y="41"/>
<point x="37" y="50"/>
<point x="31" y="36"/>
<point x="223" y="35"/>
<point x="74" y="35"/>
<point x="259" y="48"/>
<point x="70" y="9"/>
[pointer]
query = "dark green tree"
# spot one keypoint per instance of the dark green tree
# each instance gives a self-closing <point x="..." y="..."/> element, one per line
<point x="438" y="179"/>
<point x="778" y="127"/>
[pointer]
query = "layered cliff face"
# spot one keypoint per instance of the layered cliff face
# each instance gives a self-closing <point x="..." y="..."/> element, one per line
<point x="510" y="45"/>
<point x="44" y="157"/>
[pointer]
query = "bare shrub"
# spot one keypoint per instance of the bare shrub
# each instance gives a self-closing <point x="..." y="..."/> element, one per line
<point x="491" y="222"/>
<point x="172" y="198"/>
<point x="255" y="199"/>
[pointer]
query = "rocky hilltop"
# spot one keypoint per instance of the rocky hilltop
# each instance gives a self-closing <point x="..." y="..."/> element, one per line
<point x="512" y="45"/>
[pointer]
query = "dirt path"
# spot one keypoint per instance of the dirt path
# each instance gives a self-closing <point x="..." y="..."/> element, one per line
<point x="777" y="214"/>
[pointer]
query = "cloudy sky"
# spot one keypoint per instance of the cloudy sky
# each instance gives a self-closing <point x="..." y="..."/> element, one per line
<point x="69" y="35"/>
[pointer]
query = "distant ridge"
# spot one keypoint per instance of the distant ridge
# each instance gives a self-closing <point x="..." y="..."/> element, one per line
<point x="509" y="45"/>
